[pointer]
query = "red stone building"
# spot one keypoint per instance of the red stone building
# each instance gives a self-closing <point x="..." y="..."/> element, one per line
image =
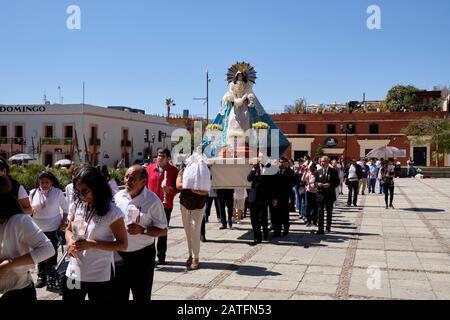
<point x="309" y="132"/>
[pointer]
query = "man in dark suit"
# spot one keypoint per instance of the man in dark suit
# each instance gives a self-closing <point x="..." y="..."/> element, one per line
<point x="327" y="179"/>
<point x="284" y="182"/>
<point x="259" y="197"/>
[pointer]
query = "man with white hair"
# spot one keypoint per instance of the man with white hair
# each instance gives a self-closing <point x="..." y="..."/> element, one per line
<point x="327" y="179"/>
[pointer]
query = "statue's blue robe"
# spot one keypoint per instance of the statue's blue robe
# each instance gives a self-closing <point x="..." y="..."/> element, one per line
<point x="257" y="114"/>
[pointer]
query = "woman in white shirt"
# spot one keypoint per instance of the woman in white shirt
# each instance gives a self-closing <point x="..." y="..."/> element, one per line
<point x="70" y="192"/>
<point x="22" y="244"/>
<point x="47" y="202"/>
<point x="95" y="231"/>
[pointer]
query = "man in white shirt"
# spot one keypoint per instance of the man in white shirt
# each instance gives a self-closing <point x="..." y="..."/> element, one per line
<point x="146" y="220"/>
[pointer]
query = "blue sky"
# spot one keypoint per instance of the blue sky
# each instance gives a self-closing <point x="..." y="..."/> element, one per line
<point x="137" y="52"/>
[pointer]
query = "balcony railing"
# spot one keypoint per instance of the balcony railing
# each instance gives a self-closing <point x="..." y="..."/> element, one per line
<point x="94" y="142"/>
<point x="16" y="141"/>
<point x="57" y="141"/>
<point x="125" y="143"/>
<point x="51" y="141"/>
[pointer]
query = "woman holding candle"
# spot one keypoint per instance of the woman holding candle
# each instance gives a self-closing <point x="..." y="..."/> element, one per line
<point x="95" y="231"/>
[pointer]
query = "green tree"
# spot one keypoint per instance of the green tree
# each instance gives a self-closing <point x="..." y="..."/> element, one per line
<point x="319" y="151"/>
<point x="399" y="97"/>
<point x="298" y="107"/>
<point x="435" y="131"/>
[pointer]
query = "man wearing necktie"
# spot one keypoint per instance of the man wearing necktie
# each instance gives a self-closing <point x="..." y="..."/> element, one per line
<point x="327" y="179"/>
<point x="285" y="181"/>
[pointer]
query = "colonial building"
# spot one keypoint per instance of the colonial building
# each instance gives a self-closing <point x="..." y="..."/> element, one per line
<point x="354" y="135"/>
<point x="80" y="132"/>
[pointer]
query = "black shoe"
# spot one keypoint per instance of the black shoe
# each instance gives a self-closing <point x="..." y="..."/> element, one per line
<point x="266" y="235"/>
<point x="320" y="232"/>
<point x="285" y="233"/>
<point x="328" y="229"/>
<point x="162" y="262"/>
<point x="230" y="225"/>
<point x="277" y="234"/>
<point x="355" y="205"/>
<point x="349" y="204"/>
<point x="387" y="207"/>
<point x="40" y="283"/>
<point x="391" y="206"/>
<point x="202" y="238"/>
<point x="222" y="227"/>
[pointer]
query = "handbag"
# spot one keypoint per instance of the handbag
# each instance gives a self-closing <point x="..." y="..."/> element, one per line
<point x="57" y="275"/>
<point x="320" y="197"/>
<point x="191" y="200"/>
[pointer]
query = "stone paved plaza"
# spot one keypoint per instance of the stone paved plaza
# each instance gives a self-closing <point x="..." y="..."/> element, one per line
<point x="371" y="253"/>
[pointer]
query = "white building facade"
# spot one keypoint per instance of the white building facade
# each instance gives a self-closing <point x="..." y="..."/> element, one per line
<point x="82" y="133"/>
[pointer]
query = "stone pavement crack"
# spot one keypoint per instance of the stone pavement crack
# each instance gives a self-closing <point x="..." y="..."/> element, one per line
<point x="342" y="290"/>
<point x="406" y="270"/>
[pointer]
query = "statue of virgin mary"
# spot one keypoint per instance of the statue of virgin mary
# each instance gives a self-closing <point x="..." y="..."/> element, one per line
<point x="241" y="109"/>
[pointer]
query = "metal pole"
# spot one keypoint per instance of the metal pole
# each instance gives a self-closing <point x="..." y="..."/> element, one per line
<point x="207" y="97"/>
<point x="82" y="125"/>
<point x="346" y="144"/>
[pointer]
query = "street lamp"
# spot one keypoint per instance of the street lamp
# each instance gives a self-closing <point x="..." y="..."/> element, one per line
<point x="163" y="136"/>
<point x="153" y="143"/>
<point x="206" y="99"/>
<point x="148" y="141"/>
<point x="348" y="128"/>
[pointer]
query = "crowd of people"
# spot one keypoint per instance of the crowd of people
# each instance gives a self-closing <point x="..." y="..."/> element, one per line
<point x="113" y="237"/>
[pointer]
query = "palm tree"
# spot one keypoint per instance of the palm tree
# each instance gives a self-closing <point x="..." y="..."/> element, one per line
<point x="169" y="102"/>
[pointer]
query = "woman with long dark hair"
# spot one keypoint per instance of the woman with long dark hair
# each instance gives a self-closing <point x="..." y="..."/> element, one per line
<point x="22" y="244"/>
<point x="47" y="201"/>
<point x="95" y="231"/>
<point x="387" y="174"/>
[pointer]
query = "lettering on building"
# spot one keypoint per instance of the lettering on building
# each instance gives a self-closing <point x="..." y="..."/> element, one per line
<point x="22" y="109"/>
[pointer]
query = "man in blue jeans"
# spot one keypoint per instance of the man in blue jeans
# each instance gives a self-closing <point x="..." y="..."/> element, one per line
<point x="300" y="190"/>
<point x="373" y="173"/>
